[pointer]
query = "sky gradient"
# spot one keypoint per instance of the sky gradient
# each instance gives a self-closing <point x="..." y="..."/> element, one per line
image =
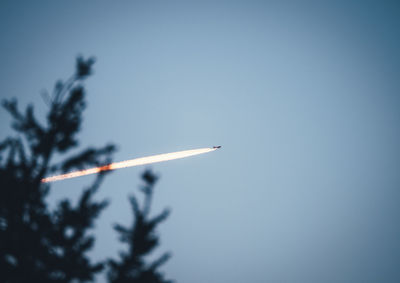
<point x="303" y="96"/>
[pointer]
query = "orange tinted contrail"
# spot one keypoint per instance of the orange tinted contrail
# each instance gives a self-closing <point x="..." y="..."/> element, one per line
<point x="131" y="163"/>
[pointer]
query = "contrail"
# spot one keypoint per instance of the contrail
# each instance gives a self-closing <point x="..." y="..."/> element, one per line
<point x="131" y="163"/>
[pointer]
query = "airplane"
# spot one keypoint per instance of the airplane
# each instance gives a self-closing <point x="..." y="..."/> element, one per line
<point x="217" y="146"/>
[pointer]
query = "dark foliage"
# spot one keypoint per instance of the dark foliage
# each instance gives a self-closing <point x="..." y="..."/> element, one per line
<point x="141" y="239"/>
<point x="36" y="244"/>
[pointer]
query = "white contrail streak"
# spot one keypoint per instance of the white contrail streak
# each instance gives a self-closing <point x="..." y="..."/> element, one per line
<point x="131" y="163"/>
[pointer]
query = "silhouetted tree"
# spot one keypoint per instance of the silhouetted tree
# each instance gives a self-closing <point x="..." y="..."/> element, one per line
<point x="36" y="244"/>
<point x="141" y="239"/>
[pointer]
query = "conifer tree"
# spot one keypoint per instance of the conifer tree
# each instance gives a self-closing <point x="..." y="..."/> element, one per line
<point x="142" y="240"/>
<point x="38" y="244"/>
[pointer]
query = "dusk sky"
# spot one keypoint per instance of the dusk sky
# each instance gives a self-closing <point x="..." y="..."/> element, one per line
<point x="303" y="97"/>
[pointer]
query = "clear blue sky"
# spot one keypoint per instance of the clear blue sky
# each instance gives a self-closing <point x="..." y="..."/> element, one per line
<point x="302" y="95"/>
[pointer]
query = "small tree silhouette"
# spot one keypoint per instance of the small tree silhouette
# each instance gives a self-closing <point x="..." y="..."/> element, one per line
<point x="36" y="244"/>
<point x="141" y="239"/>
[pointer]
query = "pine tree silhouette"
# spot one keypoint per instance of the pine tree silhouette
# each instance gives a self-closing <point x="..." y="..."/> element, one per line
<point x="142" y="240"/>
<point x="36" y="244"/>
